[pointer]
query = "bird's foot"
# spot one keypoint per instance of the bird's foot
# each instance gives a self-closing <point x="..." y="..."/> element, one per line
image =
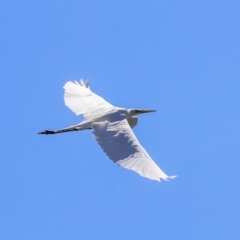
<point x="47" y="132"/>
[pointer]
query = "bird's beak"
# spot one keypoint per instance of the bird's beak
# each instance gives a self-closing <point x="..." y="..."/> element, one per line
<point x="140" y="111"/>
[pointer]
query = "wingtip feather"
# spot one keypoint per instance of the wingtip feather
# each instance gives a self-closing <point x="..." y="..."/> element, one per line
<point x="172" y="177"/>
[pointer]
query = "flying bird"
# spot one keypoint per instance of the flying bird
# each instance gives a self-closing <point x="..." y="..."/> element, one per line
<point x="112" y="129"/>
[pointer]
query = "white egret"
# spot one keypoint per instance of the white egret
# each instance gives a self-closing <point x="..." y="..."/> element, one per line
<point x="112" y="128"/>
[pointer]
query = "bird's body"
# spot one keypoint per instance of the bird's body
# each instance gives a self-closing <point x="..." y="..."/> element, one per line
<point x="111" y="128"/>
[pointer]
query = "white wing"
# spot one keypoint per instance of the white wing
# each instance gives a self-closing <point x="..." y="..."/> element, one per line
<point x="121" y="145"/>
<point x="81" y="100"/>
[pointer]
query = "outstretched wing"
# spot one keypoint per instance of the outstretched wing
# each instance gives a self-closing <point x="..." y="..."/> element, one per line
<point x="81" y="100"/>
<point x="121" y="145"/>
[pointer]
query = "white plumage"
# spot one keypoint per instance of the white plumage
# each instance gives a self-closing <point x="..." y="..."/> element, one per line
<point x="111" y="129"/>
<point x="81" y="100"/>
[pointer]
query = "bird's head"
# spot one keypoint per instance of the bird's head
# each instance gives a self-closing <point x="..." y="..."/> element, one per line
<point x="134" y="112"/>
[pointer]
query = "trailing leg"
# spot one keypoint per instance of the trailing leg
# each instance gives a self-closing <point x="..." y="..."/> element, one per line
<point x="77" y="127"/>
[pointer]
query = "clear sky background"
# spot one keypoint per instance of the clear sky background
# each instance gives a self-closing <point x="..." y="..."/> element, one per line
<point x="179" y="57"/>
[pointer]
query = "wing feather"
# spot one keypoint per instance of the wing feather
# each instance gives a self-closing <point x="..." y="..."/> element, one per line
<point x="121" y="145"/>
<point x="81" y="100"/>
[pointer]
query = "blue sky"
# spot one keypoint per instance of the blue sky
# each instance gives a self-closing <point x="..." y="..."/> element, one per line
<point x="179" y="57"/>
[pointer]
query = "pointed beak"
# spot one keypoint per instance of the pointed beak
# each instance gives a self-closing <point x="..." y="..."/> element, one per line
<point x="140" y="111"/>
